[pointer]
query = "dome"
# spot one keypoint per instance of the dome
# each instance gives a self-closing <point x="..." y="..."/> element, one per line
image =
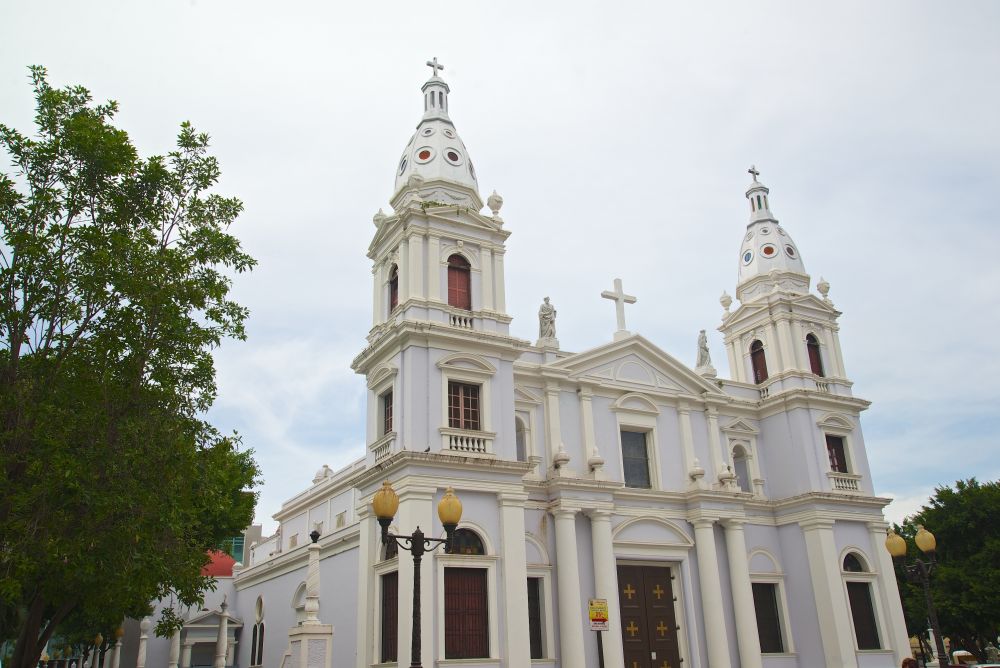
<point x="768" y="256"/>
<point x="220" y="565"/>
<point x="435" y="162"/>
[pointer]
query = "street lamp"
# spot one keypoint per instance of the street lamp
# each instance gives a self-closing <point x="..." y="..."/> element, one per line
<point x="920" y="572"/>
<point x="385" y="503"/>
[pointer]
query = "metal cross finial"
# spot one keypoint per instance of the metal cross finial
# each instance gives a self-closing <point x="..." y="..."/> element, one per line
<point x="620" y="299"/>
<point x="433" y="64"/>
<point x="752" y="171"/>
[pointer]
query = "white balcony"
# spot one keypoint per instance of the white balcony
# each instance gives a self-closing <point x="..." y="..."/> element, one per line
<point x="382" y="448"/>
<point x="467" y="442"/>
<point x="844" y="482"/>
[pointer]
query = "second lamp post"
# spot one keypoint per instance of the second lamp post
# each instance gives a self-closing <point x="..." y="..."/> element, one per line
<point x="385" y="503"/>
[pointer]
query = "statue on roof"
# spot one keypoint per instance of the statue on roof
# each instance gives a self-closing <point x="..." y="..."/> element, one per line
<point x="546" y="320"/>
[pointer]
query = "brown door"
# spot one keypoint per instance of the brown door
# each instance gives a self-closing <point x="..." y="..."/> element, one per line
<point x="649" y="627"/>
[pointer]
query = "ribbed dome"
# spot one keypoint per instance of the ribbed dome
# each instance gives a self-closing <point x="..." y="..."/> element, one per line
<point x="436" y="155"/>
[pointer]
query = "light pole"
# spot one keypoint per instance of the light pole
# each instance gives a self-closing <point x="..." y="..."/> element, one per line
<point x="920" y="572"/>
<point x="385" y="503"/>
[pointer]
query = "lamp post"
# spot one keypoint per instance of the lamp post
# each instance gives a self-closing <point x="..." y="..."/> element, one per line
<point x="385" y="503"/>
<point x="920" y="572"/>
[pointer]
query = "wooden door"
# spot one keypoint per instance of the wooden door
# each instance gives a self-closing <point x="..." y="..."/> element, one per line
<point x="649" y="626"/>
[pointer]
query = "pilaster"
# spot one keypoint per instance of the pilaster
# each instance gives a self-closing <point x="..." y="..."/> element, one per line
<point x="486" y="261"/>
<point x="376" y="295"/>
<point x="714" y="442"/>
<point x="899" y="639"/>
<point x="735" y="365"/>
<point x="368" y="543"/>
<point x="517" y="643"/>
<point x="434" y="268"/>
<point x="498" y="280"/>
<point x="416" y="267"/>
<point x="403" y="270"/>
<point x="595" y="463"/>
<point x="687" y="440"/>
<point x="558" y="457"/>
<point x="186" y="653"/>
<point x="785" y="337"/>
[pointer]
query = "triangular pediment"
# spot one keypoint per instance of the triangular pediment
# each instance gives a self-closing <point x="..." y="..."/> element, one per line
<point x="739" y="426"/>
<point x="210" y="618"/>
<point x="526" y="395"/>
<point x="635" y="364"/>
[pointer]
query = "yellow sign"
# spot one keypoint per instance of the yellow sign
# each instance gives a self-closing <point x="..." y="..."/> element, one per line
<point x="598" y="614"/>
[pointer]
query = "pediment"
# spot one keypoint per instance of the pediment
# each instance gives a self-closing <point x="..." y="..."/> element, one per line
<point x="651" y="531"/>
<point x="835" y="422"/>
<point x="467" y="362"/>
<point x="635" y="364"/>
<point x="210" y="619"/>
<point x="526" y="395"/>
<point x="740" y="427"/>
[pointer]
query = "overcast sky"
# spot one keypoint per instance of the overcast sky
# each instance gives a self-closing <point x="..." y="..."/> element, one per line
<point x="619" y="135"/>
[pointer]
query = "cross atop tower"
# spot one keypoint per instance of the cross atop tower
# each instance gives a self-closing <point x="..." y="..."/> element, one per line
<point x="753" y="171"/>
<point x="433" y="64"/>
<point x="620" y="299"/>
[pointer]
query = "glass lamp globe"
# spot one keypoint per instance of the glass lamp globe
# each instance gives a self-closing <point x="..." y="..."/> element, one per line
<point x="925" y="540"/>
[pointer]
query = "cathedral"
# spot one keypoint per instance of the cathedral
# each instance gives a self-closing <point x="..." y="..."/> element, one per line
<point x="726" y="522"/>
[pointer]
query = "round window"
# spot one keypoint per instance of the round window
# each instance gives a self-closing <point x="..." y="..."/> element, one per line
<point x="453" y="156"/>
<point x="472" y="170"/>
<point x="424" y="154"/>
<point x="402" y="165"/>
<point x="790" y="252"/>
<point x="449" y="134"/>
<point x="749" y="236"/>
<point x="781" y="231"/>
<point x="427" y="132"/>
<point x="765" y="230"/>
<point x="769" y="250"/>
<point x="747" y="256"/>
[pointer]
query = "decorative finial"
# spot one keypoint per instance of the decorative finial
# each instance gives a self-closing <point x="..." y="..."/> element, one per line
<point x="379" y="218"/>
<point x="726" y="301"/>
<point x="753" y="171"/>
<point x="495" y="202"/>
<point x="824" y="288"/>
<point x="433" y="64"/>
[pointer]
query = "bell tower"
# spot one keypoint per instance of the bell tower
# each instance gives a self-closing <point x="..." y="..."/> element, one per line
<point x="440" y="331"/>
<point x="781" y="336"/>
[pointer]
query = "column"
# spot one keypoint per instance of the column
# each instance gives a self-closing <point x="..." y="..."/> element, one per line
<point x="594" y="460"/>
<point x="175" y="649"/>
<point x="376" y="295"/>
<point x="144" y="626"/>
<point x="553" y="426"/>
<point x="186" y="653"/>
<point x="568" y="580"/>
<point x="498" y="281"/>
<point x="687" y="440"/>
<point x="799" y="346"/>
<point x="715" y="458"/>
<point x="486" y="277"/>
<point x="790" y="350"/>
<point x="777" y="355"/>
<point x="711" y="594"/>
<point x="898" y="639"/>
<point x="222" y="640"/>
<point x="735" y="362"/>
<point x="416" y="510"/>
<point x="404" y="270"/>
<point x="743" y="605"/>
<point x="831" y="604"/>
<point x="434" y="268"/>
<point x="838" y="353"/>
<point x="606" y="585"/>
<point x="368" y="553"/>
<point x="517" y="644"/>
<point x="416" y="266"/>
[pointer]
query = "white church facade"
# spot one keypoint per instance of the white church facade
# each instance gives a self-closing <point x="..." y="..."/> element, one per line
<point x="729" y="523"/>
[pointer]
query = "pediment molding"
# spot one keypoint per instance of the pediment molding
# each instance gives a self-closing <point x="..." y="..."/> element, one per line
<point x="836" y="422"/>
<point x="468" y="363"/>
<point x="740" y="426"/>
<point x="633" y="402"/>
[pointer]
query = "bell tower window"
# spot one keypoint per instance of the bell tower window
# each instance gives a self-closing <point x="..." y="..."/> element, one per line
<point x="815" y="361"/>
<point x="758" y="361"/>
<point x="393" y="288"/>
<point x="459" y="283"/>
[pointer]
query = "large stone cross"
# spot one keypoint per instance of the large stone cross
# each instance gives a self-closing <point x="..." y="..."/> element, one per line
<point x="620" y="299"/>
<point x="753" y="171"/>
<point x="433" y="64"/>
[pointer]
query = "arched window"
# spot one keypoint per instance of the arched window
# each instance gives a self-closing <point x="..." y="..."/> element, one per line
<point x="459" y="283"/>
<point x="742" y="468"/>
<point x="858" y="581"/>
<point x="758" y="361"/>
<point x="467" y="541"/>
<point x="815" y="361"/>
<point x="521" y="440"/>
<point x="393" y="288"/>
<point x="253" y="647"/>
<point x="260" y="643"/>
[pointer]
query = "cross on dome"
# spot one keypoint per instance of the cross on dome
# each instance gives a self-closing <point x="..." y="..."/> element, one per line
<point x="753" y="171"/>
<point x="620" y="299"/>
<point x="433" y="64"/>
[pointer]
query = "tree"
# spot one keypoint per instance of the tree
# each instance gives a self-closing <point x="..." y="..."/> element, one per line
<point x="114" y="281"/>
<point x="965" y="585"/>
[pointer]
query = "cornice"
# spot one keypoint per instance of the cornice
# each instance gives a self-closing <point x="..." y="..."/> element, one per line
<point x="332" y="544"/>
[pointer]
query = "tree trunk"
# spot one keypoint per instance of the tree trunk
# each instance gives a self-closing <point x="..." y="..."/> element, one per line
<point x="32" y="639"/>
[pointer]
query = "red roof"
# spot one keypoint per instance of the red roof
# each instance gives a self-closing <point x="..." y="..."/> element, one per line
<point x="220" y="566"/>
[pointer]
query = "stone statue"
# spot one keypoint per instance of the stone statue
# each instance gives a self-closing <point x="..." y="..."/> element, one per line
<point x="704" y="365"/>
<point x="546" y="320"/>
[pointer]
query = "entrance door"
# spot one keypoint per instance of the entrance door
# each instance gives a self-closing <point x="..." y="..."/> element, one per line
<point x="649" y="627"/>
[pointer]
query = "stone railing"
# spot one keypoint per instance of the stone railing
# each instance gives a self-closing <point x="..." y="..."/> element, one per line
<point x="844" y="482"/>
<point x="466" y="441"/>
<point x="764" y="391"/>
<point x="382" y="448"/>
<point x="822" y="386"/>
<point x="462" y="320"/>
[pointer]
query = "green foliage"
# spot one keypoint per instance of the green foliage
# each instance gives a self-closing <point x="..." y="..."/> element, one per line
<point x="965" y="585"/>
<point x="114" y="283"/>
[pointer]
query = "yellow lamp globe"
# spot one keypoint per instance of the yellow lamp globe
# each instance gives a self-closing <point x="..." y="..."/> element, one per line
<point x="895" y="544"/>
<point x="385" y="503"/>
<point x="450" y="508"/>
<point x="925" y="540"/>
